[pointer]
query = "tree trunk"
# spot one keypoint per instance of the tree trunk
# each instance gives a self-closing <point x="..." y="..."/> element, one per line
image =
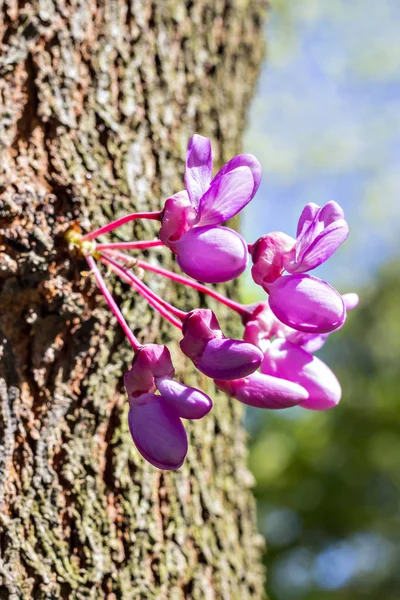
<point x="98" y="101"/>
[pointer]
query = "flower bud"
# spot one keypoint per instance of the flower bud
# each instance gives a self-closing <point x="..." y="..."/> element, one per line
<point x="264" y="391"/>
<point x="268" y="255"/>
<point x="157" y="432"/>
<point x="306" y="303"/>
<point x="212" y="254"/>
<point x="188" y="402"/>
<point x="288" y="361"/>
<point x="150" y="361"/>
<point x="177" y="218"/>
<point x="212" y="353"/>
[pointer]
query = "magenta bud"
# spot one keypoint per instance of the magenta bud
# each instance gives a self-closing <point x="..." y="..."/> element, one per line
<point x="177" y="218"/>
<point x="229" y="359"/>
<point x="157" y="432"/>
<point x="288" y="361"/>
<point x="212" y="353"/>
<point x="264" y="391"/>
<point x="199" y="327"/>
<point x="306" y="303"/>
<point x="188" y="402"/>
<point x="269" y="254"/>
<point x="312" y="342"/>
<point x="212" y="254"/>
<point x="150" y="361"/>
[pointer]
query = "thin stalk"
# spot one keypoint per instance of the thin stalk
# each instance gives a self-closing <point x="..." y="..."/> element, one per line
<point x="236" y="306"/>
<point x="130" y="245"/>
<point x="163" y="307"/>
<point x="155" y="216"/>
<point x="112" y="304"/>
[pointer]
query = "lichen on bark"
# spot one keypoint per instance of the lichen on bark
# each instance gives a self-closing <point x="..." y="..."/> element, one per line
<point x="98" y="101"/>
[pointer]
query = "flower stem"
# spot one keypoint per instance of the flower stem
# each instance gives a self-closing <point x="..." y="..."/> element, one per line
<point x="130" y="245"/>
<point x="236" y="306"/>
<point x="119" y="222"/>
<point x="163" y="307"/>
<point x="112" y="304"/>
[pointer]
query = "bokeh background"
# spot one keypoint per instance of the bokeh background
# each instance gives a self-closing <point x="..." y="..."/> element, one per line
<point x="326" y="125"/>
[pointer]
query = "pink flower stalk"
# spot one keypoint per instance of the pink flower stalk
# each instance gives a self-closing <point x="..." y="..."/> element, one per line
<point x="154" y="216"/>
<point x="168" y="311"/>
<point x="155" y="420"/>
<point x="140" y="245"/>
<point x="111" y="303"/>
<point x="212" y="353"/>
<point x="191" y="219"/>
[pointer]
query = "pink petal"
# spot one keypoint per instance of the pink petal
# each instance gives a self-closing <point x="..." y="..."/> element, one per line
<point x="264" y="391"/>
<point x="188" y="402"/>
<point x="313" y="254"/>
<point x="242" y="160"/>
<point x="306" y="303"/>
<point x="212" y="254"/>
<point x="198" y="168"/>
<point x="226" y="197"/>
<point x="157" y="432"/>
<point x="331" y="212"/>
<point x="306" y="218"/>
<point x="286" y="360"/>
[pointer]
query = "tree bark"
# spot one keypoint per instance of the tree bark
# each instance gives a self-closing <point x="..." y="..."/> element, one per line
<point x="98" y="101"/>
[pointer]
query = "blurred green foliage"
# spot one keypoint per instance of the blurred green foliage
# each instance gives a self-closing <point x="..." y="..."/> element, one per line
<point x="328" y="483"/>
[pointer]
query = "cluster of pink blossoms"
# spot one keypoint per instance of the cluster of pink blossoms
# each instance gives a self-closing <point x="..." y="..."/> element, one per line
<point x="273" y="366"/>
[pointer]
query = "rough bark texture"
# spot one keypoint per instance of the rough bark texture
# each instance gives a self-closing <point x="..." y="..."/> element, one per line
<point x="98" y="100"/>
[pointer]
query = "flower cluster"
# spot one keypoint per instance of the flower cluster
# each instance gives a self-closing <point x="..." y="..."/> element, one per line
<point x="273" y="366"/>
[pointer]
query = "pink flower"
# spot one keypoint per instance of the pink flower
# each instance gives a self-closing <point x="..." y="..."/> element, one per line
<point x="289" y="374"/>
<point x="320" y="232"/>
<point x="191" y="221"/>
<point x="212" y="353"/>
<point x="155" y="420"/>
<point x="303" y="302"/>
<point x="285" y="360"/>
